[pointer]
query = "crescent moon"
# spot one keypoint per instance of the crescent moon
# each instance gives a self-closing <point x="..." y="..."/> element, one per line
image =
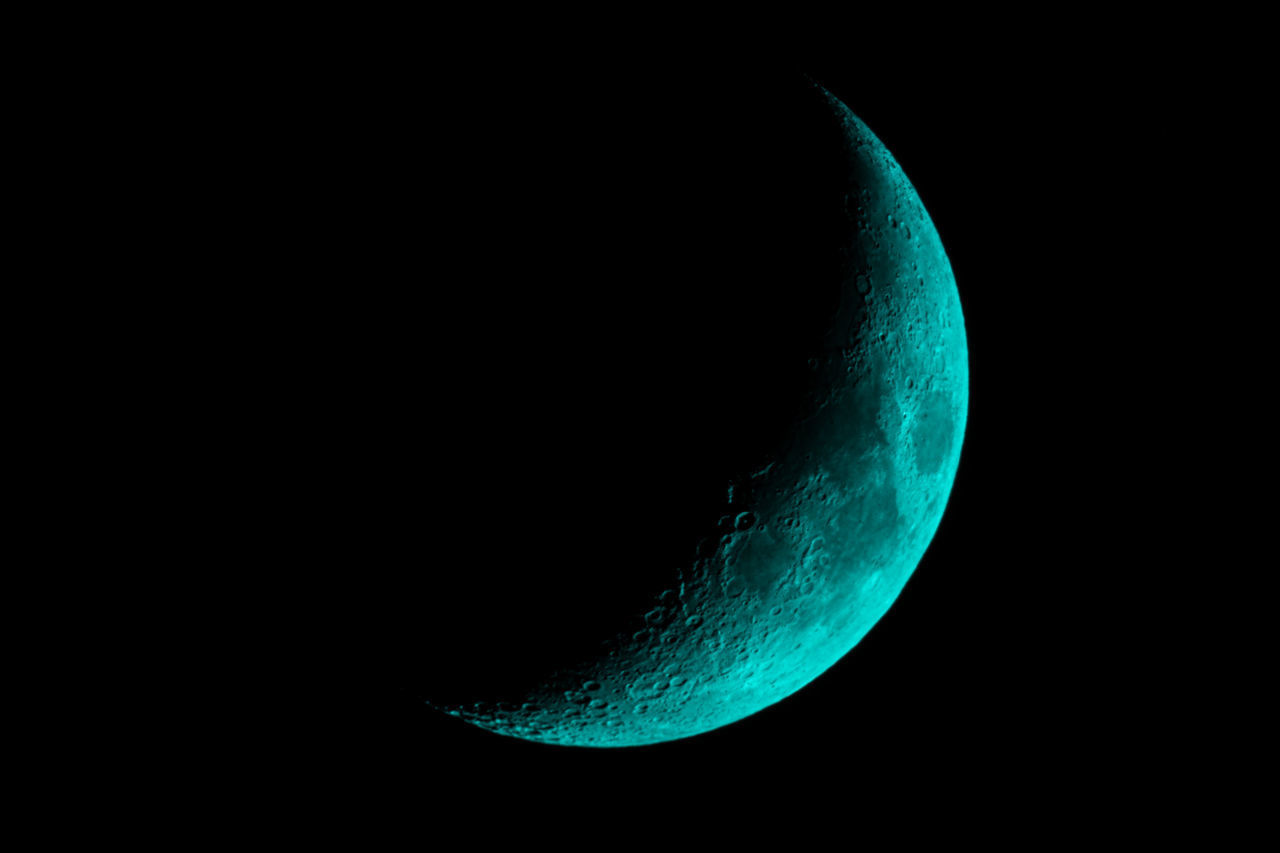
<point x="826" y="533"/>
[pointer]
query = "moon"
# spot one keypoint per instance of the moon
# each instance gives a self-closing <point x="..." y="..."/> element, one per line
<point x="821" y="537"/>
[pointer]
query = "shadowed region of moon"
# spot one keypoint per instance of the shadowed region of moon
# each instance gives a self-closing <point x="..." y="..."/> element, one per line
<point x="712" y="487"/>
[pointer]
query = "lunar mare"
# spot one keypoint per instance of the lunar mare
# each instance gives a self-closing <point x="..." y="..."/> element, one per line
<point x="822" y="537"/>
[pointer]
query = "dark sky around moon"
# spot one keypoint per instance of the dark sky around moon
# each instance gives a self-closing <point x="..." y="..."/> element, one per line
<point x="1001" y="649"/>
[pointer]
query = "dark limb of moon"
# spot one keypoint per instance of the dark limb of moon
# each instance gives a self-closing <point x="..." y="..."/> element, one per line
<point x="815" y="529"/>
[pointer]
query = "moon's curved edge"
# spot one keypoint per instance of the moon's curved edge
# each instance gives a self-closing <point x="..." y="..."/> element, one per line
<point x="828" y="533"/>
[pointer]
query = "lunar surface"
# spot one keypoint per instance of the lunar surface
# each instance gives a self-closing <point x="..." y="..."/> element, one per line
<point x="818" y="539"/>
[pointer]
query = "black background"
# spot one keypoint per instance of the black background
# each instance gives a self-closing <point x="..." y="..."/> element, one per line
<point x="1018" y="649"/>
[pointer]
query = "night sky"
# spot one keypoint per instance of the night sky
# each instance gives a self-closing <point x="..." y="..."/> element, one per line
<point x="1013" y="647"/>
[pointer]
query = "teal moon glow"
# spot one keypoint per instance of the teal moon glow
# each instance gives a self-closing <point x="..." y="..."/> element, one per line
<point x="829" y="529"/>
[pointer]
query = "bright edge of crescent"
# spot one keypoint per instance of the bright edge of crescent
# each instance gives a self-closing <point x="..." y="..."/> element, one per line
<point x="820" y="540"/>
